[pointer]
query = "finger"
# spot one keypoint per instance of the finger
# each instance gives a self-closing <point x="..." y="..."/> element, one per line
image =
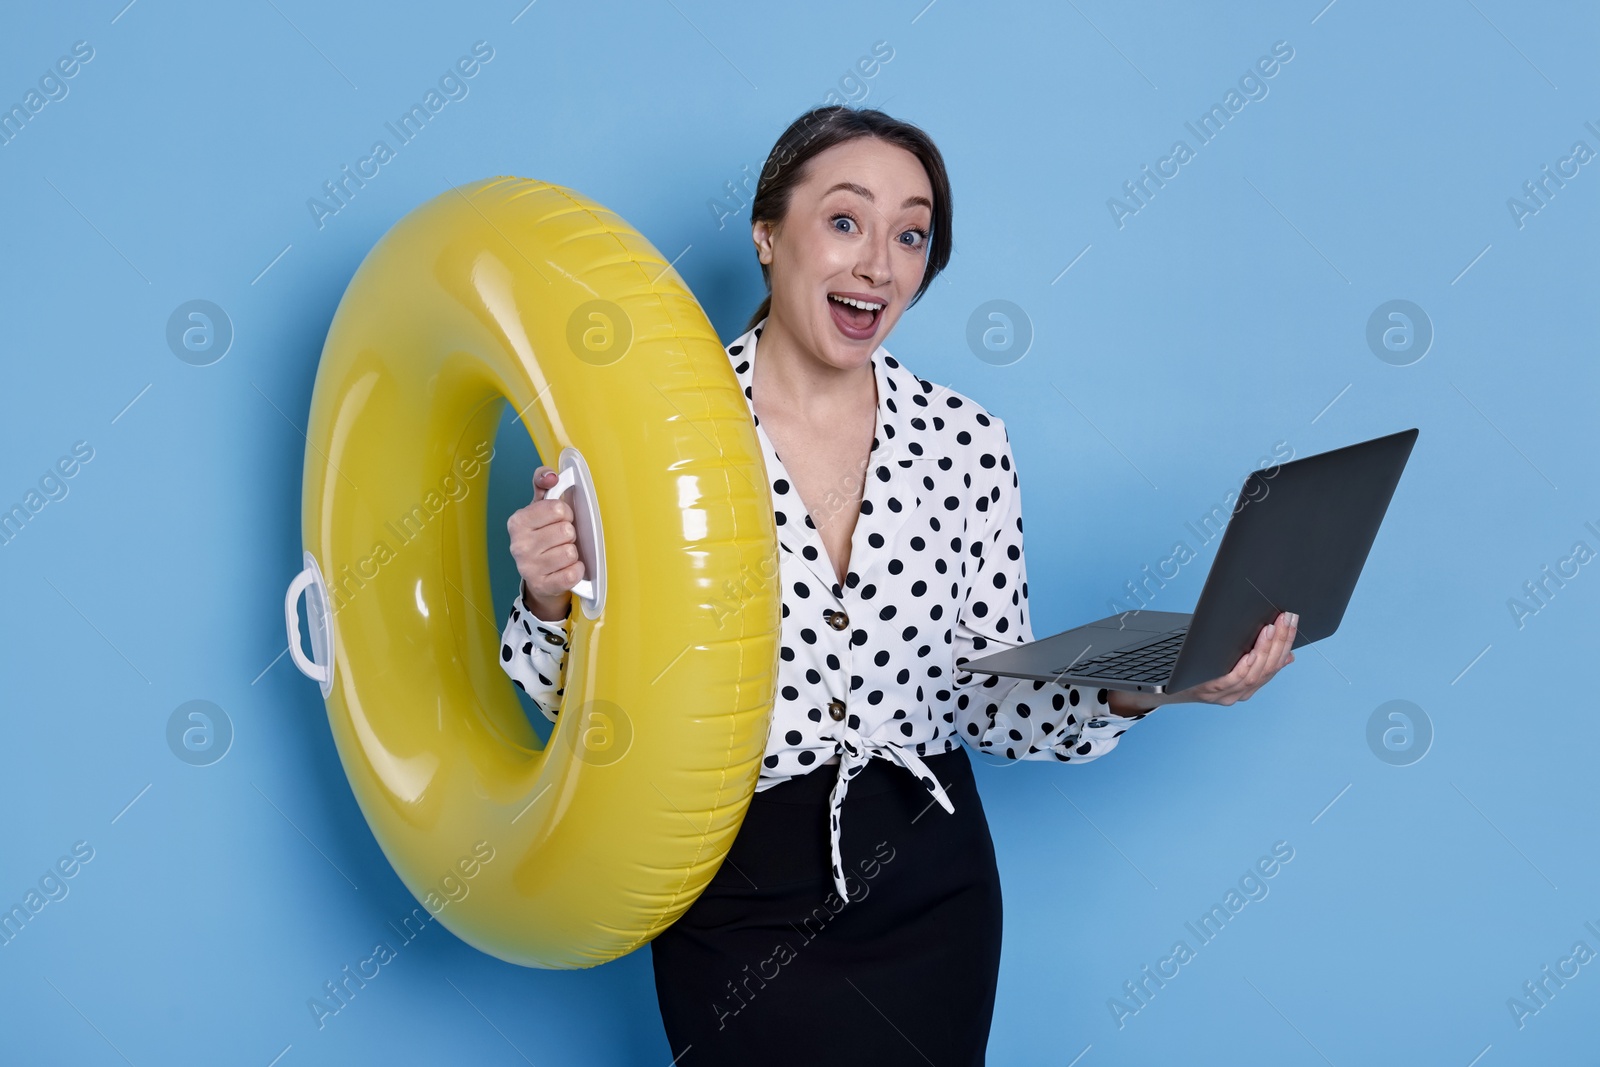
<point x="533" y="517"/>
<point x="1278" y="647"/>
<point x="1251" y="679"/>
<point x="543" y="479"/>
<point x="1235" y="680"/>
<point x="556" y="579"/>
<point x="562" y="579"/>
<point x="537" y="519"/>
<point x="1285" y="640"/>
<point x="1241" y="670"/>
<point x="1268" y="659"/>
<point x="530" y="515"/>
<point x="1260" y="656"/>
<point x="554" y="541"/>
<point x="1248" y="674"/>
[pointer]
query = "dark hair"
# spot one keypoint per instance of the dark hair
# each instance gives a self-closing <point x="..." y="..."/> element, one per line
<point x="822" y="128"/>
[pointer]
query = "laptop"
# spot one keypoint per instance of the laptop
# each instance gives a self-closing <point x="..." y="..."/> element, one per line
<point x="1296" y="541"/>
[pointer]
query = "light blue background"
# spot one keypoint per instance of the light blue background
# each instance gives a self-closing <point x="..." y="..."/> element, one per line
<point x="1226" y="316"/>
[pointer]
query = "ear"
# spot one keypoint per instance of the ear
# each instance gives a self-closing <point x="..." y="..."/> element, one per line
<point x="762" y="233"/>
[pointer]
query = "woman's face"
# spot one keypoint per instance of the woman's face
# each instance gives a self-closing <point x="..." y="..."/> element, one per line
<point x="857" y="227"/>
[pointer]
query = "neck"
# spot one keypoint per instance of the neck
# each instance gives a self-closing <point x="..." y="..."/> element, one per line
<point x="791" y="377"/>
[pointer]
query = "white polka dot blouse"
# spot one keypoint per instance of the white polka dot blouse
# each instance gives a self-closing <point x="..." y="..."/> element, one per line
<point x="869" y="668"/>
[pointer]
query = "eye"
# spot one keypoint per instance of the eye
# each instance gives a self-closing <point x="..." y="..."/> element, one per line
<point x="834" y="220"/>
<point x="921" y="235"/>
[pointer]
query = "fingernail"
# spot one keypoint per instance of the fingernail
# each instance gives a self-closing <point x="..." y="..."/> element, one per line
<point x="1294" y="620"/>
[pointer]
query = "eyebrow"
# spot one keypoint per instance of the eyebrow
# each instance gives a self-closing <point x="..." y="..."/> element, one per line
<point x="866" y="194"/>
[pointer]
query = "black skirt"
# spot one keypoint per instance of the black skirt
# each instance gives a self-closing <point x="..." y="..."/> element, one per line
<point x="769" y="966"/>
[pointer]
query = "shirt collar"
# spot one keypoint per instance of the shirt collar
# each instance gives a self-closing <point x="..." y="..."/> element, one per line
<point x="899" y="448"/>
<point x="894" y="435"/>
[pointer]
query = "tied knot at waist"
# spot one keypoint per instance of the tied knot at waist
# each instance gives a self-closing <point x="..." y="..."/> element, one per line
<point x="857" y="752"/>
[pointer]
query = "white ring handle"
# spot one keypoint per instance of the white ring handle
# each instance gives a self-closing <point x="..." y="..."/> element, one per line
<point x="574" y="474"/>
<point x="319" y="668"/>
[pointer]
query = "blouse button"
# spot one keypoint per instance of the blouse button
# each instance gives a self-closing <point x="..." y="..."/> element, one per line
<point x="554" y="639"/>
<point x="836" y="709"/>
<point x="836" y="619"/>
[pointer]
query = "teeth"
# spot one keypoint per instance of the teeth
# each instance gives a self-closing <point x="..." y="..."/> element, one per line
<point x="862" y="304"/>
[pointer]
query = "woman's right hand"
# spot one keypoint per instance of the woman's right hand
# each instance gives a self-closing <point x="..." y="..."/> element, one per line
<point x="544" y="544"/>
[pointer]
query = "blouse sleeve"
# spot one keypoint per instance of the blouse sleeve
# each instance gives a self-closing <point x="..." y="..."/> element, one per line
<point x="533" y="652"/>
<point x="1024" y="718"/>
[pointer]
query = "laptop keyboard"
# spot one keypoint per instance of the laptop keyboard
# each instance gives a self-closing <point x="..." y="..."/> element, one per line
<point x="1146" y="663"/>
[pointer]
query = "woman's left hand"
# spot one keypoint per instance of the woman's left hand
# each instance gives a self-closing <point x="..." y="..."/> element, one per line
<point x="1254" y="670"/>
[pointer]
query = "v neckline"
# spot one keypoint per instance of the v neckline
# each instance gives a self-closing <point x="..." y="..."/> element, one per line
<point x="902" y="445"/>
<point x="812" y="529"/>
<point x="876" y="451"/>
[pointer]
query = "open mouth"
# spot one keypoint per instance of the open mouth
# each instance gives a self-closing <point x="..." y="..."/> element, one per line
<point x="855" y="316"/>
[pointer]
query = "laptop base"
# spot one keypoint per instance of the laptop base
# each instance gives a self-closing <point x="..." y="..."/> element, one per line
<point x="1054" y="659"/>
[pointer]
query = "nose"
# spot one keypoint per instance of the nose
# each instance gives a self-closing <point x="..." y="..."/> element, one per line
<point x="873" y="265"/>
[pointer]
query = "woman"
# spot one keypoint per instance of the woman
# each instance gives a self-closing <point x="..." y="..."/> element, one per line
<point x="899" y="518"/>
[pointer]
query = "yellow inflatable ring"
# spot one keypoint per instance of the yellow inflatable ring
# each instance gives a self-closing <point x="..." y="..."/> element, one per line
<point x="576" y="853"/>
